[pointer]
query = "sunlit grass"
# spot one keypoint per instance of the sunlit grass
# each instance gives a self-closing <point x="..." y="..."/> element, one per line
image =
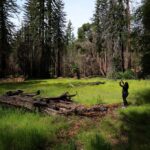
<point x="110" y="92"/>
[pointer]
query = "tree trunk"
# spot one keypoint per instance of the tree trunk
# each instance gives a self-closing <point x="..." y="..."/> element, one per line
<point x="128" y="36"/>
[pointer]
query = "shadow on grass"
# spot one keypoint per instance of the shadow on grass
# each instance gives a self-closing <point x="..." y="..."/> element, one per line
<point x="38" y="83"/>
<point x="31" y="85"/>
<point x="142" y="97"/>
<point x="43" y="83"/>
<point x="15" y="135"/>
<point x="69" y="145"/>
<point x="19" y="85"/>
<point x="99" y="143"/>
<point x="21" y="139"/>
<point x="136" y="126"/>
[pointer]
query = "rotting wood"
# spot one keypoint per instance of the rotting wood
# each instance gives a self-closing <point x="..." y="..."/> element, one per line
<point x="63" y="97"/>
<point x="61" y="105"/>
<point x="12" y="93"/>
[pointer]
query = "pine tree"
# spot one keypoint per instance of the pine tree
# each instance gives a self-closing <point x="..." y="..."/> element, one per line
<point x="7" y="8"/>
<point x="99" y="16"/>
<point x="69" y="35"/>
<point x="44" y="29"/>
<point x="111" y="28"/>
<point x="59" y="38"/>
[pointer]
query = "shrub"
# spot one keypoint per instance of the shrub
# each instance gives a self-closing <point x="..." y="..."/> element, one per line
<point x="128" y="74"/>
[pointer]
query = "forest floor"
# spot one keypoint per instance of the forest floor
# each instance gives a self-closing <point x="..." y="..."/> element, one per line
<point x="122" y="129"/>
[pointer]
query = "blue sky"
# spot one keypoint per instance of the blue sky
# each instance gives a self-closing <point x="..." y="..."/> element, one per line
<point x="78" y="11"/>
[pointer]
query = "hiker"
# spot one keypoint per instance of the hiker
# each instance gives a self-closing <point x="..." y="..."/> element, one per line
<point x="125" y="87"/>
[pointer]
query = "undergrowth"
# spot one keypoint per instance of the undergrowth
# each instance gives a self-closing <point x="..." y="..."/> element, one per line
<point x="126" y="129"/>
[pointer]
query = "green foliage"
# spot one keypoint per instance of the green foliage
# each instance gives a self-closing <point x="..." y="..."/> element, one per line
<point x="69" y="36"/>
<point x="75" y="68"/>
<point x="84" y="32"/>
<point x="128" y="74"/>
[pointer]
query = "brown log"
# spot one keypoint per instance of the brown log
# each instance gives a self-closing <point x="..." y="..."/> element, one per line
<point x="63" y="97"/>
<point x="56" y="105"/>
<point x="17" y="101"/>
<point x="12" y="93"/>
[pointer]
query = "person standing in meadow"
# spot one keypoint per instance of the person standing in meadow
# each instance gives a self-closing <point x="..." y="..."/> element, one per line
<point x="125" y="93"/>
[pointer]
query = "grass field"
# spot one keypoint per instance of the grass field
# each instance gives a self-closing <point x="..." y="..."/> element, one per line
<point x="110" y="92"/>
<point x="127" y="129"/>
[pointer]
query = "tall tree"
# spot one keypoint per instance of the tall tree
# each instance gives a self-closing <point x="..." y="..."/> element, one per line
<point x="146" y="37"/>
<point x="59" y="33"/>
<point x="112" y="26"/>
<point x="45" y="21"/>
<point x="7" y="9"/>
<point x="69" y="35"/>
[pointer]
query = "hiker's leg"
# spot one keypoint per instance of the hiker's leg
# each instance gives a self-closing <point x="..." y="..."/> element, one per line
<point x="125" y="101"/>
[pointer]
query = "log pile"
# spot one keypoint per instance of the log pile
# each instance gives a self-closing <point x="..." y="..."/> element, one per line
<point x="62" y="104"/>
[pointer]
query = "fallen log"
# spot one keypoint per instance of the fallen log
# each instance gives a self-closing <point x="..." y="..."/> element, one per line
<point x="39" y="104"/>
<point x="12" y="93"/>
<point x="18" y="98"/>
<point x="96" y="83"/>
<point x="63" y="97"/>
<point x="84" y="84"/>
<point x="20" y="92"/>
<point x="17" y="102"/>
<point x="61" y="105"/>
<point x="31" y="94"/>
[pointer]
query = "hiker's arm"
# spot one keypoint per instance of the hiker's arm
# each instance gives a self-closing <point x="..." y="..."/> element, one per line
<point x="121" y="83"/>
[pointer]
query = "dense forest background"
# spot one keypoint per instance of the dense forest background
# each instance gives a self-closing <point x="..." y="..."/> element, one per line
<point x="115" y="43"/>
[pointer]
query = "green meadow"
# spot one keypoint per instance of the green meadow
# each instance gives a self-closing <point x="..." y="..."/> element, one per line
<point x="126" y="129"/>
<point x="110" y="92"/>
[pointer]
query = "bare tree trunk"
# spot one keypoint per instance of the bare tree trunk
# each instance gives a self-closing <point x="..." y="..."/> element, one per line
<point x="122" y="53"/>
<point x="128" y="45"/>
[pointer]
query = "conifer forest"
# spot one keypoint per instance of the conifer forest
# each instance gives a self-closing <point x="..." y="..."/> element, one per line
<point x="69" y="87"/>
